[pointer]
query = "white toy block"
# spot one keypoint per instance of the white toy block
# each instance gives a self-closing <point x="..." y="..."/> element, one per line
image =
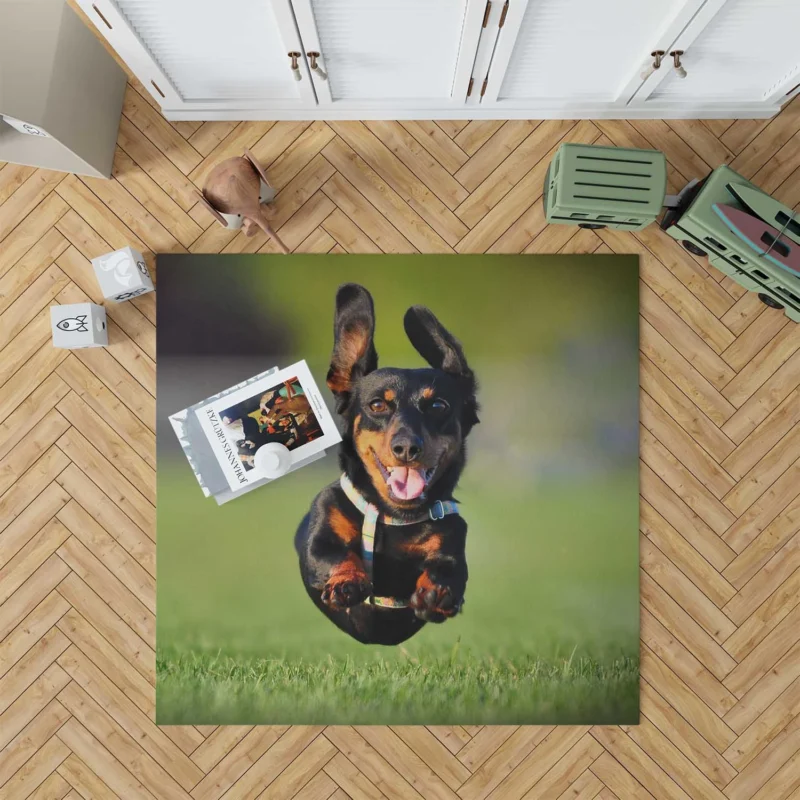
<point x="122" y="274"/>
<point x="78" y="325"/>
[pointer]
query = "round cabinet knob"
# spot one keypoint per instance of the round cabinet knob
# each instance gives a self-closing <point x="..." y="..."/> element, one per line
<point x="295" y="66"/>
<point x="676" y="60"/>
<point x="315" y="68"/>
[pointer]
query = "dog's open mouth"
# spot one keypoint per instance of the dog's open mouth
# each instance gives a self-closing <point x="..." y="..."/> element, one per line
<point x="406" y="483"/>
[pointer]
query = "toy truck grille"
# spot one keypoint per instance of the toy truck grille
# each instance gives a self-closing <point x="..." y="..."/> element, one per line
<point x="594" y="186"/>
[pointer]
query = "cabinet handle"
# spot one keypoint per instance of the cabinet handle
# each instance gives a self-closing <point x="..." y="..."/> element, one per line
<point x="317" y="70"/>
<point x="294" y="55"/>
<point x="100" y="14"/>
<point x="651" y="68"/>
<point x="676" y="60"/>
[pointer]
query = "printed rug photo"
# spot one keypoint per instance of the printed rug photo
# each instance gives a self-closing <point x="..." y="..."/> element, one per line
<point x="398" y="489"/>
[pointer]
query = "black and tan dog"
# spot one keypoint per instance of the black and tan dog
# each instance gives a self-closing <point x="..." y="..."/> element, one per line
<point x="382" y="550"/>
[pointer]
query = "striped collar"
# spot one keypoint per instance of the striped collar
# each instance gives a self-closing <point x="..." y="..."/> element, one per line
<point x="439" y="510"/>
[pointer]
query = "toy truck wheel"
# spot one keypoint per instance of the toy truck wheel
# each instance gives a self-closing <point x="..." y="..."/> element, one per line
<point x="593" y="226"/>
<point x="693" y="248"/>
<point x="769" y="301"/>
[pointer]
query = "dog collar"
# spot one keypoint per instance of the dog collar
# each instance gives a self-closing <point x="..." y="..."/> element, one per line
<point x="439" y="510"/>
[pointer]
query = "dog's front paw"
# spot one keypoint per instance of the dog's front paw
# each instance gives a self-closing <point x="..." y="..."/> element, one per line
<point x="341" y="593"/>
<point x="434" y="603"/>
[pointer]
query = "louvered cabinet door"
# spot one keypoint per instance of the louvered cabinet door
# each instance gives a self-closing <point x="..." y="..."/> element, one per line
<point x="736" y="51"/>
<point x="588" y="54"/>
<point x="390" y="54"/>
<point x="209" y="55"/>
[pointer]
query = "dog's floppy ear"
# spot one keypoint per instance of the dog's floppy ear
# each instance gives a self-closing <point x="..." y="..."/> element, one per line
<point x="353" y="349"/>
<point x="442" y="351"/>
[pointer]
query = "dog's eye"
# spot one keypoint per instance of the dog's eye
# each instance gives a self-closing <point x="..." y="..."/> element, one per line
<point x="378" y="406"/>
<point x="438" y="406"/>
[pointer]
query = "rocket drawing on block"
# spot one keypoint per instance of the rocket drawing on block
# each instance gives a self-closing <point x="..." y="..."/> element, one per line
<point x="74" y="324"/>
<point x="78" y="325"/>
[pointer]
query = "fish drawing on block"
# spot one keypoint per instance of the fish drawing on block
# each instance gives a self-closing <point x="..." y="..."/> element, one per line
<point x="120" y="264"/>
<point x="77" y="324"/>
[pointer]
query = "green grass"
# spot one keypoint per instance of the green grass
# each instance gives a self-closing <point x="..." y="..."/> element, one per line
<point x="549" y="633"/>
<point x="449" y="689"/>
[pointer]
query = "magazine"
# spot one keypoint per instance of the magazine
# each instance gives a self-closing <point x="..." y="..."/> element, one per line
<point x="283" y="407"/>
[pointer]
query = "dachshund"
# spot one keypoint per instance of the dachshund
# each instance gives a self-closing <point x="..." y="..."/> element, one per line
<point x="382" y="550"/>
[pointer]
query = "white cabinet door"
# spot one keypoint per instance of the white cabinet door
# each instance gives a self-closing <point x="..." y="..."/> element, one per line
<point x="582" y="54"/>
<point x="739" y="51"/>
<point x="391" y="54"/>
<point x="208" y="54"/>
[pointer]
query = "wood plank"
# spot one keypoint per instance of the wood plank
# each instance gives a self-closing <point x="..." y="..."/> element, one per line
<point x="101" y="763"/>
<point x="697" y="678"/>
<point x="342" y="228"/>
<point x="683" y="446"/>
<point x="108" y="478"/>
<point x="26" y="198"/>
<point x="95" y="393"/>
<point x="494" y="152"/>
<point x="419" y="161"/>
<point x="396" y="193"/>
<point x="683" y="410"/>
<point x="163" y="172"/>
<point x="152" y="197"/>
<point x="159" y="131"/>
<point x="31" y="593"/>
<point x="762" y="402"/>
<point x="509" y="204"/>
<point x="372" y="226"/>
<point x="127" y="716"/>
<point x="128" y="752"/>
<point x="684" y="737"/>
<point x="129" y="572"/>
<point x="690" y="633"/>
<point x="37" y="770"/>
<point x="109" y="444"/>
<point x="681" y="480"/>
<point x="30" y="267"/>
<point x="686" y="702"/>
<point x="437" y="143"/>
<point x="681" y="554"/>
<point x="94" y="608"/>
<point x="235" y="764"/>
<point x="535" y="148"/>
<point x="299" y="153"/>
<point x="84" y="782"/>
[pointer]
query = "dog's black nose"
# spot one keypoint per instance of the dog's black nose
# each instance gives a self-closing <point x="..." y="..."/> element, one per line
<point x="406" y="447"/>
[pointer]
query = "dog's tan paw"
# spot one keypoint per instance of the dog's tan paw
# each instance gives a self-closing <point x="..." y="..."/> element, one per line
<point x="345" y="593"/>
<point x="434" y="603"/>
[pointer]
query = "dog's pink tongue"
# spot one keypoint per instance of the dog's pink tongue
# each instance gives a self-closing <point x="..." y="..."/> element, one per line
<point x="406" y="483"/>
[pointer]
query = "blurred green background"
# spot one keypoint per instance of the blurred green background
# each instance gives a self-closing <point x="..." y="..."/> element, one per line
<point x="550" y="630"/>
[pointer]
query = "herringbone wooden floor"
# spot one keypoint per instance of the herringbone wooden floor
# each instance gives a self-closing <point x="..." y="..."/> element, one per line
<point x="720" y="473"/>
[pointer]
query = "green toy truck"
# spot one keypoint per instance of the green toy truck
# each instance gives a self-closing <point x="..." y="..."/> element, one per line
<point x="701" y="231"/>
<point x="605" y="187"/>
<point x="608" y="187"/>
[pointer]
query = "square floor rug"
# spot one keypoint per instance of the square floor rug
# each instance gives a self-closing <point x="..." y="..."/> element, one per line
<point x="466" y="554"/>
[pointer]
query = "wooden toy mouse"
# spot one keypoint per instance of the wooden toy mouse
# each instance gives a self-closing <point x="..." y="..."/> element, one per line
<point x="233" y="189"/>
